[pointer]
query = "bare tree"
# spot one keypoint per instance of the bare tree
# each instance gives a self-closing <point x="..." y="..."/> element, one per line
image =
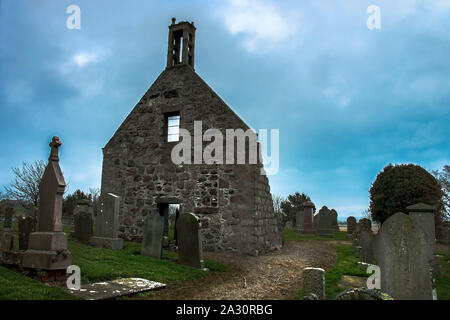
<point x="25" y="186"/>
<point x="443" y="177"/>
<point x="366" y="214"/>
<point x="277" y="199"/>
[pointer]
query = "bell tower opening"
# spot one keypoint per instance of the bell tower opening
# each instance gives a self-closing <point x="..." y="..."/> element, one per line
<point x="181" y="44"/>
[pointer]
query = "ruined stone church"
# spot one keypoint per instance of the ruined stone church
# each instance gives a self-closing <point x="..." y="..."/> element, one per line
<point x="232" y="201"/>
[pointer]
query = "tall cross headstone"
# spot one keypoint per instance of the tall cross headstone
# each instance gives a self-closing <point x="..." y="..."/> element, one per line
<point x="47" y="248"/>
<point x="190" y="251"/>
<point x="107" y="223"/>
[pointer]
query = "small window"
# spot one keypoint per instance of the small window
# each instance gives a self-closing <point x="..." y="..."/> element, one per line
<point x="173" y="128"/>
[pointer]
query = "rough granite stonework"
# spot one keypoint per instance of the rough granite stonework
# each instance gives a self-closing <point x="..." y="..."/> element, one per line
<point x="232" y="201"/>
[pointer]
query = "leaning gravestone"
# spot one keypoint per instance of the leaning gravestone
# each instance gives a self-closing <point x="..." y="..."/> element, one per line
<point x="351" y="225"/>
<point x="107" y="223"/>
<point x="152" y="242"/>
<point x="423" y="216"/>
<point x="314" y="282"/>
<point x="83" y="226"/>
<point x="27" y="225"/>
<point x="47" y="248"/>
<point x="190" y="250"/>
<point x="401" y="251"/>
<point x="7" y="224"/>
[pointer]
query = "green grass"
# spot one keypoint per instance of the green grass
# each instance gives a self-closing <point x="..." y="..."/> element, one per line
<point x="15" y="286"/>
<point x="97" y="264"/>
<point x="443" y="283"/>
<point x="346" y="264"/>
<point x="291" y="235"/>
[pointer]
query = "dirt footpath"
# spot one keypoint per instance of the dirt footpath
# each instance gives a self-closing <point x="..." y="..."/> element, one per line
<point x="277" y="275"/>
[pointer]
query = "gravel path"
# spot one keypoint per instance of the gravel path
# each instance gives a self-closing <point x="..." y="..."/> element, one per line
<point x="277" y="275"/>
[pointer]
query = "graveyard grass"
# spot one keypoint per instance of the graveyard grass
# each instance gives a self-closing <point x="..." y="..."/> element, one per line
<point x="443" y="283"/>
<point x="99" y="264"/>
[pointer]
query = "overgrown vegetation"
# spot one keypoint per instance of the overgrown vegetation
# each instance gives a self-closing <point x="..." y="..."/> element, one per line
<point x="443" y="283"/>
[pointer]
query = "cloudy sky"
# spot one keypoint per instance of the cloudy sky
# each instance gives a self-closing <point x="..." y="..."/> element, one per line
<point x="347" y="100"/>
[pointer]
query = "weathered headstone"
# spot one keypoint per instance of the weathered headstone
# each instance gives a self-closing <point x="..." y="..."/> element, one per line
<point x="365" y="224"/>
<point x="308" y="228"/>
<point x="314" y="282"/>
<point x="6" y="242"/>
<point x="334" y="220"/>
<point x="190" y="250"/>
<point x="366" y="240"/>
<point x="9" y="213"/>
<point x="152" y="242"/>
<point x="400" y="250"/>
<point x="107" y="223"/>
<point x="363" y="294"/>
<point x="83" y="225"/>
<point x="27" y="225"/>
<point x="351" y="225"/>
<point x="423" y="216"/>
<point x="298" y="220"/>
<point x="47" y="248"/>
<point x="324" y="226"/>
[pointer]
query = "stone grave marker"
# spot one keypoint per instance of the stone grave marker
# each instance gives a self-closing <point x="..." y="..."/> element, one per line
<point x="83" y="225"/>
<point x="152" y="242"/>
<point x="190" y="251"/>
<point x="324" y="226"/>
<point x="334" y="220"/>
<point x="107" y="223"/>
<point x="314" y="282"/>
<point x="47" y="248"/>
<point x="423" y="216"/>
<point x="351" y="225"/>
<point x="401" y="252"/>
<point x="308" y="227"/>
<point x="298" y="220"/>
<point x="9" y="213"/>
<point x="366" y="251"/>
<point x="27" y="225"/>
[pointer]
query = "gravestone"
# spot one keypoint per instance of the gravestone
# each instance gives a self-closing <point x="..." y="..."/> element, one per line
<point x="324" y="225"/>
<point x="308" y="227"/>
<point x="47" y="248"/>
<point x="363" y="294"/>
<point x="401" y="252"/>
<point x="7" y="224"/>
<point x="107" y="223"/>
<point x="152" y="242"/>
<point x="189" y="241"/>
<point x="334" y="220"/>
<point x="423" y="216"/>
<point x="351" y="225"/>
<point x="298" y="220"/>
<point x="314" y="282"/>
<point x="6" y="242"/>
<point x="83" y="225"/>
<point x="27" y="225"/>
<point x="363" y="224"/>
<point x="83" y="205"/>
<point x="366" y="251"/>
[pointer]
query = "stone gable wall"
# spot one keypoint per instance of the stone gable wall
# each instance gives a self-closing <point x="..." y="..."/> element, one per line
<point x="233" y="202"/>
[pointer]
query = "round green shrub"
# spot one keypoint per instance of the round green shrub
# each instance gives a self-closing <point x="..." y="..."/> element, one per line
<point x="399" y="186"/>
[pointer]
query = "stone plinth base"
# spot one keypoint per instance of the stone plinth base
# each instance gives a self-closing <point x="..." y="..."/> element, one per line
<point x="108" y="243"/>
<point x="47" y="241"/>
<point x="46" y="260"/>
<point x="13" y="258"/>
